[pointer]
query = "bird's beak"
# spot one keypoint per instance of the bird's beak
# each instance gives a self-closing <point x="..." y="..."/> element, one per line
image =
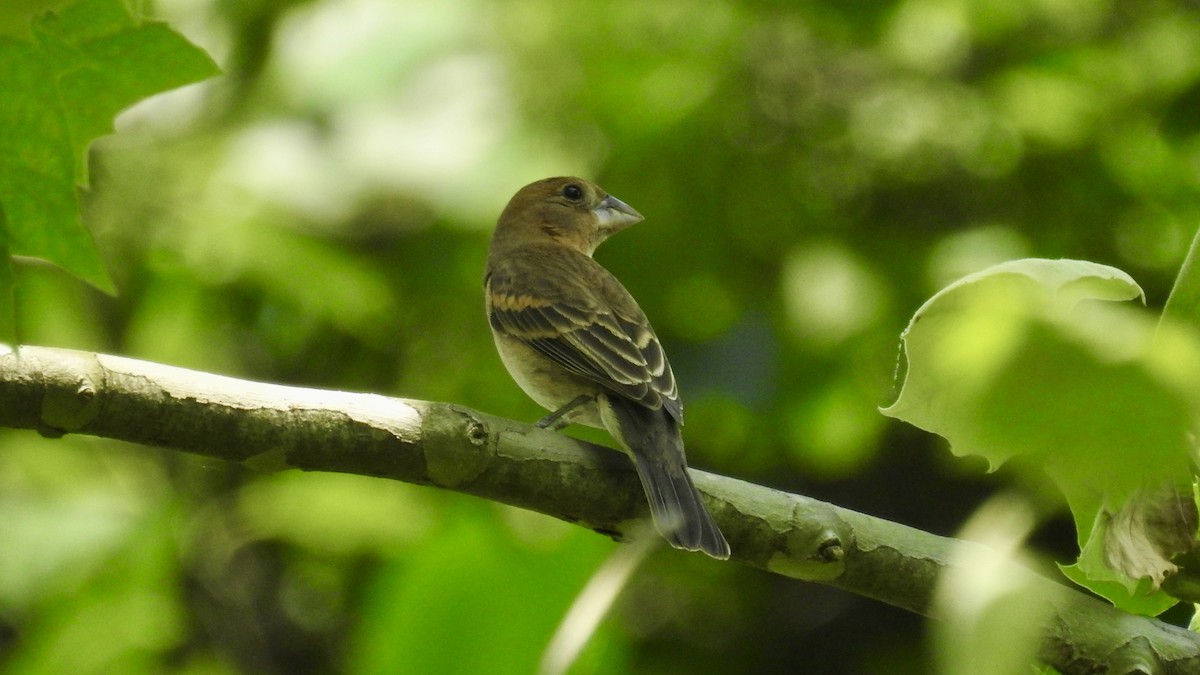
<point x="615" y="215"/>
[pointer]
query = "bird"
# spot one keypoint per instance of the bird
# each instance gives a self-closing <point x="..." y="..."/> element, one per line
<point x="575" y="340"/>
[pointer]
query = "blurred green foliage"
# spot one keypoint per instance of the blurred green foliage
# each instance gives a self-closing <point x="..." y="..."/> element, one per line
<point x="319" y="216"/>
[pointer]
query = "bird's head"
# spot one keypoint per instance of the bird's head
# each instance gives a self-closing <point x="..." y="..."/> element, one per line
<point x="572" y="211"/>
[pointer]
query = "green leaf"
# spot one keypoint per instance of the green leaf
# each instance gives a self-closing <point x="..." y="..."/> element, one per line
<point x="1129" y="550"/>
<point x="1183" y="305"/>
<point x="1094" y="576"/>
<point x="987" y="361"/>
<point x="61" y="90"/>
<point x="1036" y="358"/>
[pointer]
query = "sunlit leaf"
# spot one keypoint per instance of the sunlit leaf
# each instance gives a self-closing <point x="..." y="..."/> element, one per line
<point x="984" y="357"/>
<point x="1034" y="358"/>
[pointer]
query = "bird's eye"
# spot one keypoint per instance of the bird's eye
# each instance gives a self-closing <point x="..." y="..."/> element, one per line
<point x="572" y="192"/>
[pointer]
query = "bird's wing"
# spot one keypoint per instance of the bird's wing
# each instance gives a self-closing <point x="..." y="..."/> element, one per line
<point x="611" y="344"/>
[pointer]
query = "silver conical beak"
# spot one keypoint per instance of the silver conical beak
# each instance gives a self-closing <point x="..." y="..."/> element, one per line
<point x="615" y="215"/>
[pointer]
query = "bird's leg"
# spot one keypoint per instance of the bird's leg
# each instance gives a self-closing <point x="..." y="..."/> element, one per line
<point x="555" y="420"/>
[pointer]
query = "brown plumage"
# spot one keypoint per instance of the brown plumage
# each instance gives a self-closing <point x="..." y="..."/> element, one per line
<point x="577" y="343"/>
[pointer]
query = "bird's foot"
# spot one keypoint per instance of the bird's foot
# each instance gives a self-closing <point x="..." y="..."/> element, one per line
<point x="558" y="419"/>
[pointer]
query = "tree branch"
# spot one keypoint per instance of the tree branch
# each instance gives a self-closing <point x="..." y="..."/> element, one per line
<point x="272" y="427"/>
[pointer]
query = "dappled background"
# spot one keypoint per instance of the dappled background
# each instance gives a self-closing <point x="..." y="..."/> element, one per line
<point x="319" y="216"/>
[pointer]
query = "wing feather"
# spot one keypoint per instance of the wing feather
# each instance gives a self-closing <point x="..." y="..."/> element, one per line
<point x="614" y="348"/>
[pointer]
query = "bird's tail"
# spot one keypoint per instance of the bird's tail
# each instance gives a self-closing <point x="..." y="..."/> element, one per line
<point x="653" y="439"/>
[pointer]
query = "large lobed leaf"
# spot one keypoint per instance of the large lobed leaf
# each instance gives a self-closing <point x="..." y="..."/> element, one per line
<point x="1044" y="359"/>
<point x="62" y="88"/>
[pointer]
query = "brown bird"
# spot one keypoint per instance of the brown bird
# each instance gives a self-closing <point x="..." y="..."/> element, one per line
<point x="576" y="341"/>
